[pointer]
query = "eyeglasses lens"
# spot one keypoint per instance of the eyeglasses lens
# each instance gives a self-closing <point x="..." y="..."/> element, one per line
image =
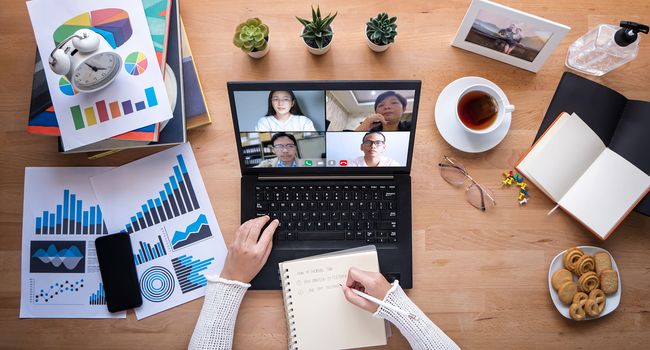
<point x="479" y="197"/>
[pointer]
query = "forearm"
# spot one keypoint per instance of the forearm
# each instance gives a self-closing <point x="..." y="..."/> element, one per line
<point x="421" y="333"/>
<point x="216" y="324"/>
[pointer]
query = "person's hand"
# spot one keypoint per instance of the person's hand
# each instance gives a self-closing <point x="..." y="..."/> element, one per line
<point x="246" y="255"/>
<point x="371" y="121"/>
<point x="371" y="283"/>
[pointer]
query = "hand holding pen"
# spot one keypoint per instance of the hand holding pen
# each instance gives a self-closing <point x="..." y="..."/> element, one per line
<point x="367" y="290"/>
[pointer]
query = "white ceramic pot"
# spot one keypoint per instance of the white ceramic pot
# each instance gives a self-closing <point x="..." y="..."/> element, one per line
<point x="317" y="51"/>
<point x="260" y="54"/>
<point x="374" y="47"/>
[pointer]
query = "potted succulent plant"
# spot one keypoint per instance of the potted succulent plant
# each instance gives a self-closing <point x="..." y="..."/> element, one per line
<point x="381" y="31"/>
<point x="252" y="37"/>
<point x="317" y="33"/>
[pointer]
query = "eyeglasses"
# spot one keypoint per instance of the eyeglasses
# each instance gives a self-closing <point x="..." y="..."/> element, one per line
<point x="478" y="195"/>
<point x="370" y="143"/>
<point x="278" y="100"/>
<point x="280" y="147"/>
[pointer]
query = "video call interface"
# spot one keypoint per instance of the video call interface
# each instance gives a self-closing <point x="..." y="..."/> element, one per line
<point x="324" y="128"/>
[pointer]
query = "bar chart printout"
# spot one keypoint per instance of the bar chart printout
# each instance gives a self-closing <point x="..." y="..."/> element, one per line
<point x="148" y="252"/>
<point x="99" y="297"/>
<point x="177" y="197"/>
<point x="188" y="272"/>
<point x="70" y="218"/>
<point x="61" y="219"/>
<point x="101" y="111"/>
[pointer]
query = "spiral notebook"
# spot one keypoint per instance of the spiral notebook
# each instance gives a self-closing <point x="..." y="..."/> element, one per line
<point x="318" y="315"/>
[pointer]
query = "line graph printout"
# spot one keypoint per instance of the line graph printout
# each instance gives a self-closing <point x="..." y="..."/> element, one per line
<point x="161" y="202"/>
<point x="59" y="269"/>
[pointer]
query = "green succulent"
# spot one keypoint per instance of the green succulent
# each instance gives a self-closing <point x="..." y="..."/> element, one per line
<point x="252" y="35"/>
<point x="318" y="30"/>
<point x="382" y="29"/>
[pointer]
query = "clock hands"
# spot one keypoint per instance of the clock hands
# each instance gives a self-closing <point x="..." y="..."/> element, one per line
<point x="95" y="69"/>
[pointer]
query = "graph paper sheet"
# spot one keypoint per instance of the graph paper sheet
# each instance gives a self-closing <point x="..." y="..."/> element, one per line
<point x="61" y="219"/>
<point x="162" y="203"/>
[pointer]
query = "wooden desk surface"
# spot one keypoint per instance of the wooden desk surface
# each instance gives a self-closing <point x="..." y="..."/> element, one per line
<point x="482" y="277"/>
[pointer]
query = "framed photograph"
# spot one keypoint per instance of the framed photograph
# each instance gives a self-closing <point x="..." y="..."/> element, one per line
<point x="508" y="35"/>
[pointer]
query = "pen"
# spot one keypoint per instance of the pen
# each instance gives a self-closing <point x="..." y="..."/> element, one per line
<point x="386" y="305"/>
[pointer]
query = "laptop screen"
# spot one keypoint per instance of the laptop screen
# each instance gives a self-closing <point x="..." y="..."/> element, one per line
<point x="324" y="126"/>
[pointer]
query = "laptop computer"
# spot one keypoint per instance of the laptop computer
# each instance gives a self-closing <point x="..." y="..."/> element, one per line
<point x="331" y="160"/>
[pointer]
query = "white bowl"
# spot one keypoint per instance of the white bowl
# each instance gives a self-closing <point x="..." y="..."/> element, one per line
<point x="611" y="301"/>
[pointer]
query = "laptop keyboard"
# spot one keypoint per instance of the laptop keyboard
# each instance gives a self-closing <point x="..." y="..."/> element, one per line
<point x="363" y="213"/>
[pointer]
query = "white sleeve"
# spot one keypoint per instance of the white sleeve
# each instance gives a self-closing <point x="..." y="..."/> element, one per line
<point x="308" y="125"/>
<point x="421" y="333"/>
<point x="216" y="324"/>
<point x="261" y="126"/>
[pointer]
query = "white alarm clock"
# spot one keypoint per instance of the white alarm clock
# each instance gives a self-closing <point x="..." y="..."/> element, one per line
<point x="87" y="60"/>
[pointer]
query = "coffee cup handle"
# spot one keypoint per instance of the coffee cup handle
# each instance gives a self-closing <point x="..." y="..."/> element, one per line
<point x="510" y="108"/>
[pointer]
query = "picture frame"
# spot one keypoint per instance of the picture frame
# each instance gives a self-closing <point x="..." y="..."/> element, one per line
<point x="508" y="35"/>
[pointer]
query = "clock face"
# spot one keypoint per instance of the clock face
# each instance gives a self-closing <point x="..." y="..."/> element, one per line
<point x="96" y="71"/>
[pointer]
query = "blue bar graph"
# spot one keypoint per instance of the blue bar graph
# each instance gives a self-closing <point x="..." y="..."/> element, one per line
<point x="188" y="272"/>
<point x="70" y="218"/>
<point x="147" y="252"/>
<point x="99" y="297"/>
<point x="176" y="197"/>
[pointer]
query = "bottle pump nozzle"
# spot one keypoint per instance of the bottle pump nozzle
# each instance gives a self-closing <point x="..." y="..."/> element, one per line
<point x="629" y="32"/>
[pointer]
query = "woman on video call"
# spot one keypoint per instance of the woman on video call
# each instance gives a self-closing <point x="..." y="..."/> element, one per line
<point x="284" y="114"/>
<point x="389" y="107"/>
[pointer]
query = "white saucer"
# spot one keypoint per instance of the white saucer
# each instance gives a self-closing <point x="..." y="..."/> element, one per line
<point x="450" y="128"/>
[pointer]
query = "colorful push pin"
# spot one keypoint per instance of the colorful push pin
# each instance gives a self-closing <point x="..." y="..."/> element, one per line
<point x="505" y="174"/>
<point x="522" y="185"/>
<point x="523" y="201"/>
<point x="518" y="177"/>
<point x="525" y="192"/>
<point x="521" y="196"/>
<point x="508" y="181"/>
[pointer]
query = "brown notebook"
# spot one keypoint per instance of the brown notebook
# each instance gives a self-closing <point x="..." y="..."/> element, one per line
<point x="592" y="183"/>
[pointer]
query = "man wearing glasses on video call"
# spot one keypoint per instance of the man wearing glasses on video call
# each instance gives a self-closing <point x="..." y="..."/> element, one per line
<point x="284" y="148"/>
<point x="373" y="146"/>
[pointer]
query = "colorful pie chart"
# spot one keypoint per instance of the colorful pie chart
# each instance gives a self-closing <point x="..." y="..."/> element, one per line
<point x="66" y="87"/>
<point x="135" y="63"/>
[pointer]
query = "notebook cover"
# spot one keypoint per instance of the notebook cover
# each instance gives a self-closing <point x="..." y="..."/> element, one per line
<point x="610" y="115"/>
<point x="196" y="110"/>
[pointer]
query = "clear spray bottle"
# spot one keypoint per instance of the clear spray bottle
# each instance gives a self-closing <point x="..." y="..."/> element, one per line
<point x="605" y="48"/>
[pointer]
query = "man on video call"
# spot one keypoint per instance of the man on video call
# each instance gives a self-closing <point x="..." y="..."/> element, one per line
<point x="284" y="147"/>
<point x="373" y="146"/>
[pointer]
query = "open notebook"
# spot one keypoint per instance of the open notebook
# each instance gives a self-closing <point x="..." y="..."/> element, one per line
<point x="590" y="181"/>
<point x="318" y="315"/>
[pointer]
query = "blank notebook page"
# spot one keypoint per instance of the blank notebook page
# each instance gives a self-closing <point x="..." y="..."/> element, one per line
<point x="322" y="317"/>
<point x="561" y="156"/>
<point x="606" y="192"/>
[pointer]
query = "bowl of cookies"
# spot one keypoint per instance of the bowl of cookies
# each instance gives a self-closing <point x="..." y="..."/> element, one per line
<point x="584" y="283"/>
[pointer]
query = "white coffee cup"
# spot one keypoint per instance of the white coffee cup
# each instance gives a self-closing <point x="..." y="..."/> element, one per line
<point x="500" y="102"/>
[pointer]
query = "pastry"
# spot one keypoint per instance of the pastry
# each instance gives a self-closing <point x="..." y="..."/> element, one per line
<point x="560" y="277"/>
<point x="588" y="282"/>
<point x="567" y="291"/>
<point x="585" y="264"/>
<point x="580" y="298"/>
<point x="603" y="262"/>
<point x="571" y="257"/>
<point x="591" y="308"/>
<point x="577" y="311"/>
<point x="596" y="303"/>
<point x="609" y="281"/>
